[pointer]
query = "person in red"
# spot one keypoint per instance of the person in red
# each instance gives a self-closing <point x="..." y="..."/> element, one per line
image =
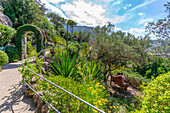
<point x="121" y="77"/>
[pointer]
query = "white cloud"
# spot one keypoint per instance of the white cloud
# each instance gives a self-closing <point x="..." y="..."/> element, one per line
<point x="136" y="31"/>
<point x="146" y="2"/>
<point x="143" y="21"/>
<point x="140" y="14"/>
<point x="52" y="8"/>
<point x="55" y="1"/>
<point x="90" y="14"/>
<point x="117" y="29"/>
<point x="139" y="32"/>
<point x="128" y="5"/>
<point x="145" y="24"/>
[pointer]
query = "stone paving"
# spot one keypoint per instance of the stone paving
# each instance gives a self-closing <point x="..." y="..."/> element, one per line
<point x="12" y="98"/>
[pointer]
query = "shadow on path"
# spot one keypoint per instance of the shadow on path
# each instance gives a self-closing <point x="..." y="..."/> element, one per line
<point x="12" y="102"/>
<point x="10" y="66"/>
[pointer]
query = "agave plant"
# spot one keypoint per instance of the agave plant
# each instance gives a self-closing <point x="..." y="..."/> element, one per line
<point x="65" y="66"/>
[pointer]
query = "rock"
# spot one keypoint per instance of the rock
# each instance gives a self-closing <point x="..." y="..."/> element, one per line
<point x="33" y="81"/>
<point x="35" y="99"/>
<point x="44" y="108"/>
<point x="41" y="57"/>
<point x="44" y="64"/>
<point x="34" y="86"/>
<point x="5" y="20"/>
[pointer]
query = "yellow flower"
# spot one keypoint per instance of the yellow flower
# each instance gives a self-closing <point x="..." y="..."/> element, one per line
<point x="109" y="111"/>
<point x="111" y="107"/>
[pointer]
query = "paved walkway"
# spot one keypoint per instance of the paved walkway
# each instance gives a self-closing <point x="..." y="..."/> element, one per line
<point x="12" y="98"/>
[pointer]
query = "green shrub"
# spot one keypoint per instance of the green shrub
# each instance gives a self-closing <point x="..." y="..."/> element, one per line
<point x="156" y="95"/>
<point x="73" y="47"/>
<point x="29" y="47"/>
<point x="12" y="53"/>
<point x="30" y="50"/>
<point x="3" y="58"/>
<point x="7" y="35"/>
<point x="93" y="93"/>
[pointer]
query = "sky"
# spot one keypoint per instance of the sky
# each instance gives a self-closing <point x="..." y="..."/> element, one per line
<point x="127" y="15"/>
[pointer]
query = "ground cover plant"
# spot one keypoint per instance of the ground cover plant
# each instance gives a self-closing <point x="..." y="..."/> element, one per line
<point x="155" y="97"/>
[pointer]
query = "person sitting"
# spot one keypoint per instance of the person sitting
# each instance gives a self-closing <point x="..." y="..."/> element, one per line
<point x="121" y="77"/>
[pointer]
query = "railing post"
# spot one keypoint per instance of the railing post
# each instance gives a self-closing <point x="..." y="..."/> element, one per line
<point x="23" y="81"/>
<point x="44" y="55"/>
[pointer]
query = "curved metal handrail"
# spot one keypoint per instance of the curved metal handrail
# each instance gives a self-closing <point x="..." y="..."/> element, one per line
<point x="59" y="88"/>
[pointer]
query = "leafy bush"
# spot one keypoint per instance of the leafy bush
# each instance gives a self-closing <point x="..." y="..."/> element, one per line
<point x="92" y="93"/>
<point x="74" y="47"/>
<point x="159" y="66"/>
<point x="30" y="50"/>
<point x="12" y="53"/>
<point x="154" y="66"/>
<point x="156" y="95"/>
<point x="7" y="35"/>
<point x="3" y="58"/>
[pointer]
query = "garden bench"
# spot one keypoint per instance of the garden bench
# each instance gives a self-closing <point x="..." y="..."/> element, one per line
<point x="119" y="82"/>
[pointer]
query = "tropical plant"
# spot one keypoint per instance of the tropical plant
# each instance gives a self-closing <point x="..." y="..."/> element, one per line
<point x="65" y="66"/>
<point x="90" y="71"/>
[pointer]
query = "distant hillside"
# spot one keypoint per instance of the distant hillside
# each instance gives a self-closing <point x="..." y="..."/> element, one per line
<point x="79" y="28"/>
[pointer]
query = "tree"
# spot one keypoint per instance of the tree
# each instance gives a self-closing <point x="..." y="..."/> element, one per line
<point x="161" y="29"/>
<point x="47" y="28"/>
<point x="118" y="47"/>
<point x="109" y="47"/>
<point x="72" y="24"/>
<point x="83" y="36"/>
<point x="23" y="12"/>
<point x="56" y="20"/>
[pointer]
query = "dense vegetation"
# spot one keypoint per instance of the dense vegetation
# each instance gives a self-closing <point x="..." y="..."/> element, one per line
<point x="7" y="35"/>
<point x="156" y="95"/>
<point x="81" y="62"/>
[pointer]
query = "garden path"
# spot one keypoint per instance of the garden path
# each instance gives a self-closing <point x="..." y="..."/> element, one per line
<point x="12" y="98"/>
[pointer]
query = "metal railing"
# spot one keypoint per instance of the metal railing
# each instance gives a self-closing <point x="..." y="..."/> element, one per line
<point x="57" y="87"/>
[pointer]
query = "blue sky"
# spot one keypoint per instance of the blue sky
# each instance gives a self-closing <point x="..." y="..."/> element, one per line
<point x="127" y="15"/>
